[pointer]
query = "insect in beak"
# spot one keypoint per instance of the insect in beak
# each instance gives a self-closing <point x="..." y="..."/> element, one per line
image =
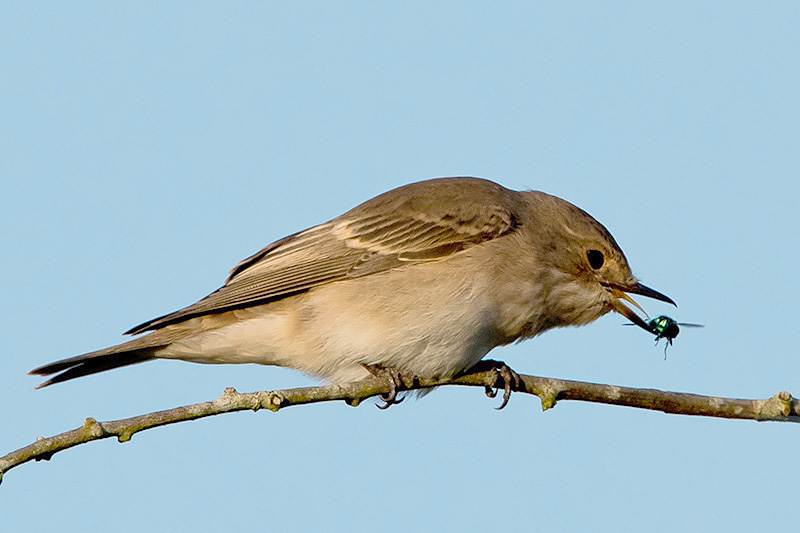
<point x="620" y="296"/>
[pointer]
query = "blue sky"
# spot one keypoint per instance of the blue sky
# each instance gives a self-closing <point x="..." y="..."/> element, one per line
<point x="147" y="148"/>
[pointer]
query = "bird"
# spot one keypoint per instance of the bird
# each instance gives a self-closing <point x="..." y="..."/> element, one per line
<point x="423" y="280"/>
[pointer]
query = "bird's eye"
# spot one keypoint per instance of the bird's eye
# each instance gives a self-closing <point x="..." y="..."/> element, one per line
<point x="595" y="258"/>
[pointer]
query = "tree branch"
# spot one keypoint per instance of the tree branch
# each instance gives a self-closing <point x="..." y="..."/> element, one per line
<point x="781" y="407"/>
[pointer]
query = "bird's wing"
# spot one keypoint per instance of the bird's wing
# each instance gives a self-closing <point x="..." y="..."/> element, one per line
<point x="391" y="230"/>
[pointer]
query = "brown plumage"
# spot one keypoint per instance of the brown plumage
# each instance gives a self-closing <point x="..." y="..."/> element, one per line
<point x="425" y="279"/>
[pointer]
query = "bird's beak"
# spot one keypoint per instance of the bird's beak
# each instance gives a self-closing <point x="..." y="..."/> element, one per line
<point x="620" y="296"/>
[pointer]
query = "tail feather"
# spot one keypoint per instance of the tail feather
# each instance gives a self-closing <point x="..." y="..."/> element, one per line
<point x="131" y="352"/>
<point x="128" y="353"/>
<point x="91" y="363"/>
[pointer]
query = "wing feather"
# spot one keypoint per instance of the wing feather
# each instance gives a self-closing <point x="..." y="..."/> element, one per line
<point x="424" y="221"/>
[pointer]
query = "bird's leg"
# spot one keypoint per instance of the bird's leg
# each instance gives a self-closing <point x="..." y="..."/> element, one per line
<point x="395" y="380"/>
<point x="504" y="376"/>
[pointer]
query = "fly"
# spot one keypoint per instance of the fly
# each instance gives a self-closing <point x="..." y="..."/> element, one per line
<point x="664" y="327"/>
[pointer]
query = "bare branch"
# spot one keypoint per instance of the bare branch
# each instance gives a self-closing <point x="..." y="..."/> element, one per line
<point x="780" y="407"/>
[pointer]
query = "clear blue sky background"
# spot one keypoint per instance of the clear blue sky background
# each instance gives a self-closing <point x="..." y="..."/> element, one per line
<point x="146" y="147"/>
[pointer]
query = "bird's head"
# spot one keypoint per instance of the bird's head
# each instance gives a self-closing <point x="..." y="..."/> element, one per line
<point x="589" y="274"/>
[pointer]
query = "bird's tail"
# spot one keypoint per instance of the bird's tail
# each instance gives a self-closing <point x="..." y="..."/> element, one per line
<point x="128" y="353"/>
<point x="83" y="365"/>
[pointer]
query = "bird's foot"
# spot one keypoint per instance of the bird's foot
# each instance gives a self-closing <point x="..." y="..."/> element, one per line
<point x="505" y="377"/>
<point x="395" y="380"/>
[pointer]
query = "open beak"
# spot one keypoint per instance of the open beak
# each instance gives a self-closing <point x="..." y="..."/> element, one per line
<point x="620" y="296"/>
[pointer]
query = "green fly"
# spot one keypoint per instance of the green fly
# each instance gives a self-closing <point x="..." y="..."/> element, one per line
<point x="664" y="327"/>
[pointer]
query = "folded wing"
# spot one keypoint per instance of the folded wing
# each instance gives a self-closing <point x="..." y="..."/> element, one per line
<point x="408" y="225"/>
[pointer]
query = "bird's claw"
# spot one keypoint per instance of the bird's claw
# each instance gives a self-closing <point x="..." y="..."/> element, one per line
<point x="395" y="380"/>
<point x="505" y="377"/>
